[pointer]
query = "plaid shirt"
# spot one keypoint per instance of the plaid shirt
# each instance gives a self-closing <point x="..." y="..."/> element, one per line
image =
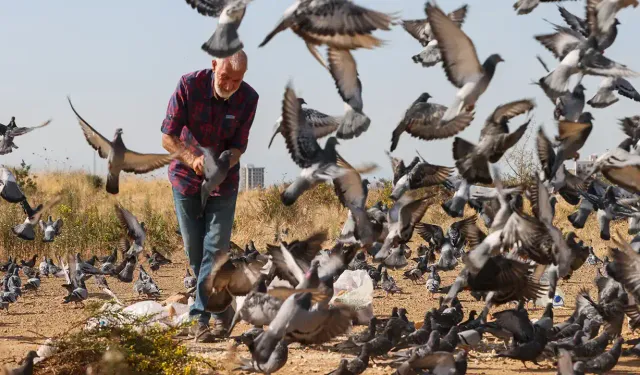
<point x="198" y="117"/>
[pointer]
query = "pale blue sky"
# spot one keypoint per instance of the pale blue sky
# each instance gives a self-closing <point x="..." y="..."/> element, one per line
<point x="121" y="60"/>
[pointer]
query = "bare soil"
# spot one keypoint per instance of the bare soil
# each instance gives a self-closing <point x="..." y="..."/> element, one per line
<point x="38" y="316"/>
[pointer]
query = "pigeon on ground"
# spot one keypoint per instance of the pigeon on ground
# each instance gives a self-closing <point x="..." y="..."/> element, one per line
<point x="321" y="124"/>
<point x="460" y="63"/>
<point x="472" y="160"/>
<point x="422" y="120"/>
<point x="433" y="281"/>
<point x="26" y="230"/>
<point x="50" y="228"/>
<point x="275" y="362"/>
<point x="336" y="23"/>
<point x="118" y="156"/>
<point x="27" y="365"/>
<point x="225" y="40"/>
<point x="145" y="284"/>
<point x="189" y="280"/>
<point x="215" y="172"/>
<point x="605" y="95"/>
<point x="605" y="362"/>
<point x="9" y="189"/>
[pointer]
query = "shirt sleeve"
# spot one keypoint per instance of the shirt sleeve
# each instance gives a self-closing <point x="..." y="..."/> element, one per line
<point x="176" y="117"/>
<point x="240" y="139"/>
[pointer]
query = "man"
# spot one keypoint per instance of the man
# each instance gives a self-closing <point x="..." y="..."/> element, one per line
<point x="212" y="108"/>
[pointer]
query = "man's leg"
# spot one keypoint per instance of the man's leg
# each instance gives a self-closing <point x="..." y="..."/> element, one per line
<point x="220" y="212"/>
<point x="192" y="228"/>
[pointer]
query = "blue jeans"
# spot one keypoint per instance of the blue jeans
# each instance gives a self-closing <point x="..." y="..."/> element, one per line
<point x="203" y="237"/>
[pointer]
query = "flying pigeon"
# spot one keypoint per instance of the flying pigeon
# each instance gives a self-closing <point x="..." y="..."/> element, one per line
<point x="344" y="71"/>
<point x="422" y="120"/>
<point x="460" y="63"/>
<point x="135" y="230"/>
<point x="472" y="160"/>
<point x="605" y="95"/>
<point x="9" y="189"/>
<point x="118" y="156"/>
<point x="50" y="229"/>
<point x="225" y="40"/>
<point x="336" y="23"/>
<point x="321" y="123"/>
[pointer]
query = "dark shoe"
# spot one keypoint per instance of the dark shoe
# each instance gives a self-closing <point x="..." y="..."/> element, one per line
<point x="219" y="329"/>
<point x="201" y="333"/>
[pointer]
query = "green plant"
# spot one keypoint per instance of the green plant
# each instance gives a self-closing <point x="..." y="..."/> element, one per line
<point x="122" y="343"/>
<point x="24" y="178"/>
<point x="96" y="181"/>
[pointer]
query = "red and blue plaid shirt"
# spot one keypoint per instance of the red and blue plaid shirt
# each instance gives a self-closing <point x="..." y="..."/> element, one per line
<point x="198" y="117"/>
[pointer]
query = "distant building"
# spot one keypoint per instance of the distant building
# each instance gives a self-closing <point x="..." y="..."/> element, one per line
<point x="582" y="167"/>
<point x="251" y="177"/>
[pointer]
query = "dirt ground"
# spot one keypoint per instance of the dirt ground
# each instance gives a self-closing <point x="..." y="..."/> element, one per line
<point x="38" y="316"/>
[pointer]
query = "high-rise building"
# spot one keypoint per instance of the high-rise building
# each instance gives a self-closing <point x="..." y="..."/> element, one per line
<point x="251" y="177"/>
<point x="581" y="167"/>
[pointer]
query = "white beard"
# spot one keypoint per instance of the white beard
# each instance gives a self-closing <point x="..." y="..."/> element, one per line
<point x="222" y="93"/>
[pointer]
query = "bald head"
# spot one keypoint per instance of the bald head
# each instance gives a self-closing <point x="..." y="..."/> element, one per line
<point x="229" y="73"/>
<point x="236" y="62"/>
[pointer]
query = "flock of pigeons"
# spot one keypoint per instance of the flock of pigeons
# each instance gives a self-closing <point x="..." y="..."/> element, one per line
<point x="521" y="258"/>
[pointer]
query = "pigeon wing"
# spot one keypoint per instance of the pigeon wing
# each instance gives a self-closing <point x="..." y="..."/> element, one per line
<point x="424" y="122"/>
<point x="344" y="71"/>
<point x="321" y="124"/>
<point x="546" y="154"/>
<point x="626" y="89"/>
<point x="143" y="163"/>
<point x="301" y="143"/>
<point x="460" y="60"/>
<point x="130" y="223"/>
<point x="95" y="139"/>
<point x="211" y="8"/>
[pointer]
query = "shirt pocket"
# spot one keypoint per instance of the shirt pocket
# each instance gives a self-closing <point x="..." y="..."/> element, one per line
<point x="228" y="127"/>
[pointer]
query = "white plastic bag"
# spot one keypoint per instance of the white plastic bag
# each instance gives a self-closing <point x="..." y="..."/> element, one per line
<point x="355" y="289"/>
<point x="558" y="299"/>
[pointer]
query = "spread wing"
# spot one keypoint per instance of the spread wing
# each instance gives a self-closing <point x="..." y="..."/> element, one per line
<point x="300" y="140"/>
<point x="142" y="163"/>
<point x="95" y="139"/>
<point x="460" y="60"/>
<point x="321" y="124"/>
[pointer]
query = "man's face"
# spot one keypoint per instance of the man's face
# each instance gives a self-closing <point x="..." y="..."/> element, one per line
<point x="227" y="80"/>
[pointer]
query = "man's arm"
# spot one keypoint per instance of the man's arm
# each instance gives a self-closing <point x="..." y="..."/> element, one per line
<point x="174" y="121"/>
<point x="240" y="139"/>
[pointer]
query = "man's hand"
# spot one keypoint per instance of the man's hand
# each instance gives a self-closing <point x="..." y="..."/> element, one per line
<point x="198" y="165"/>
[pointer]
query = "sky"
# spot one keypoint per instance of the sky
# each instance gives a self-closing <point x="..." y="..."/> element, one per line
<point x="120" y="61"/>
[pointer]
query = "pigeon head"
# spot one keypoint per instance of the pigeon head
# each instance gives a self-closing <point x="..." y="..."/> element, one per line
<point x="579" y="88"/>
<point x="616" y="22"/>
<point x="304" y="300"/>
<point x="586" y="117"/>
<point x="424" y="97"/>
<point x="332" y="142"/>
<point x="494" y="59"/>
<point x="579" y="367"/>
<point x="365" y="182"/>
<point x="31" y="355"/>
<point x="118" y="133"/>
<point x="301" y="101"/>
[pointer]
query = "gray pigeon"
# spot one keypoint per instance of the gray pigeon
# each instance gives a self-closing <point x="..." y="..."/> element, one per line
<point x="336" y="23"/>
<point x="50" y="229"/>
<point x="225" y="41"/>
<point x="135" y="231"/>
<point x="571" y="137"/>
<point x="527" y="6"/>
<point x="189" y="280"/>
<point x="570" y="105"/>
<point x="215" y="172"/>
<point x="631" y="127"/>
<point x="472" y="160"/>
<point x="422" y="120"/>
<point x="9" y="132"/>
<point x="421" y="175"/>
<point x="344" y="71"/>
<point x="620" y="167"/>
<point x="27" y="365"/>
<point x="297" y="321"/>
<point x="606" y="361"/>
<point x="321" y="123"/>
<point x="118" y="156"/>
<point x="605" y="95"/>
<point x="460" y="63"/>
<point x="145" y="284"/>
<point x="577" y="55"/>
<point x="9" y="189"/>
<point x="275" y="362"/>
<point x="25" y="230"/>
<point x="421" y="31"/>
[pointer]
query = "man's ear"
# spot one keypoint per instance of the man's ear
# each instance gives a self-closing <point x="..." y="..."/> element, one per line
<point x="213" y="64"/>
